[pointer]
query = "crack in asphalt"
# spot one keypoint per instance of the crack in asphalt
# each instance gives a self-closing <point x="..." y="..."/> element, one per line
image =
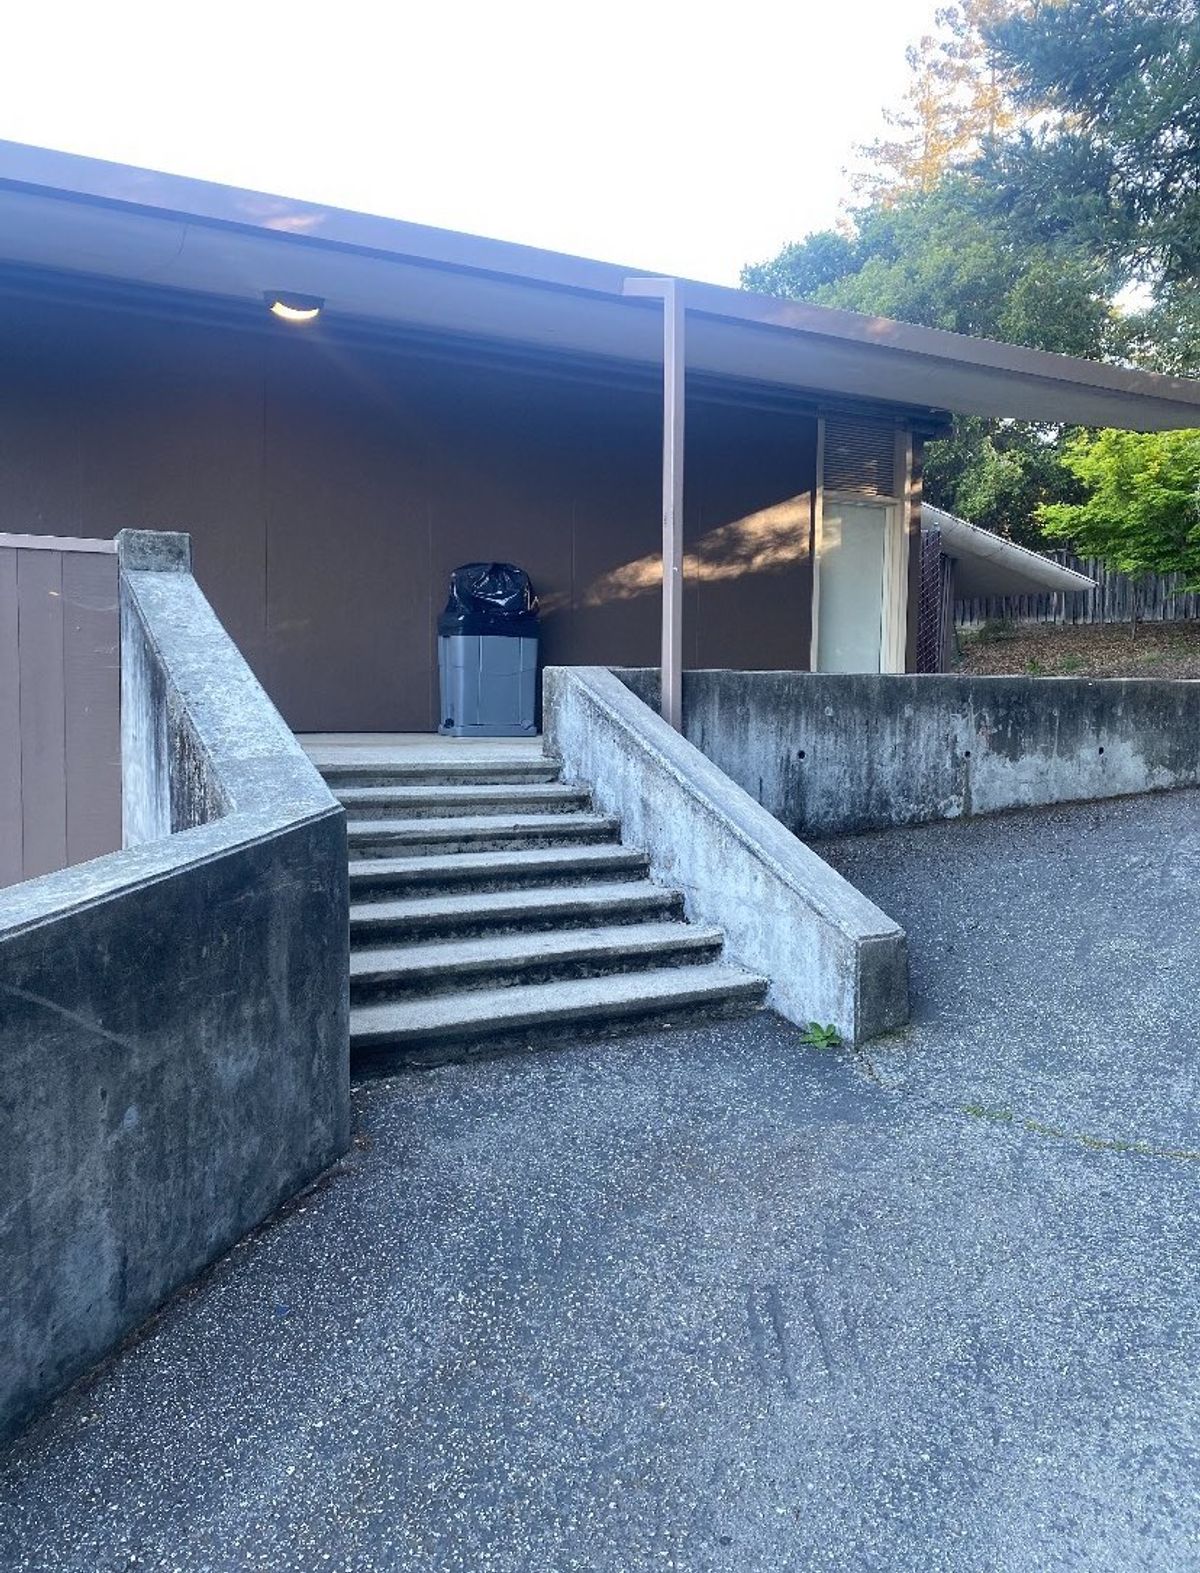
<point x="1132" y="1146"/>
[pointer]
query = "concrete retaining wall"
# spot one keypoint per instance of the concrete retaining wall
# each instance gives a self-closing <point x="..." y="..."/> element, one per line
<point x="173" y="1017"/>
<point x="831" y="955"/>
<point x="829" y="753"/>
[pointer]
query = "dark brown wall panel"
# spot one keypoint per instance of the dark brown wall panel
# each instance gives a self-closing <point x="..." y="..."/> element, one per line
<point x="40" y="427"/>
<point x="10" y="724"/>
<point x="108" y="421"/>
<point x="177" y="445"/>
<point x="347" y="531"/>
<point x="751" y="475"/>
<point x="330" y="487"/>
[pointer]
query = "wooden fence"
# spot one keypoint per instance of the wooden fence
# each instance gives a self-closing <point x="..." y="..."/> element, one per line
<point x="60" y="738"/>
<point x="1117" y="598"/>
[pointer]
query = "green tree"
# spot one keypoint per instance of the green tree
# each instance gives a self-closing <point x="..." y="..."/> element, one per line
<point x="803" y="269"/>
<point x="1048" y="155"/>
<point x="1165" y="335"/>
<point x="1111" y="154"/>
<point x="940" y="259"/>
<point x="1141" y="510"/>
<point x="1000" y="474"/>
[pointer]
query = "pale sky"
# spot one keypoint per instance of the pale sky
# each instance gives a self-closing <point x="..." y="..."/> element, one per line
<point x="688" y="138"/>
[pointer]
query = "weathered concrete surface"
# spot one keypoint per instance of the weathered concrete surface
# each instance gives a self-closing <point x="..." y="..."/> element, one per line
<point x="832" y="753"/>
<point x="173" y="1017"/>
<point x="830" y="954"/>
<point x="172" y="1070"/>
<point x="716" y="1301"/>
<point x="155" y="551"/>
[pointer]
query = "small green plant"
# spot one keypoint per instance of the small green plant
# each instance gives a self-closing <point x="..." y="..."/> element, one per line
<point x="980" y="1111"/>
<point x="1035" y="668"/>
<point x="1070" y="664"/>
<point x="819" y="1037"/>
<point x="995" y="630"/>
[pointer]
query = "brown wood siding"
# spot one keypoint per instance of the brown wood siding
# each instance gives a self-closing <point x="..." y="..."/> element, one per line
<point x="60" y="782"/>
<point x="92" y="704"/>
<point x="330" y="487"/>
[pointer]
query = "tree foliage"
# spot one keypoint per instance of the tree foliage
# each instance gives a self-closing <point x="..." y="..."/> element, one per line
<point x="1000" y="474"/>
<point x="939" y="259"/>
<point x="1165" y="335"/>
<point x="1110" y="153"/>
<point x="802" y="270"/>
<point x="1047" y="155"/>
<point x="956" y="101"/>
<point x="1141" y="511"/>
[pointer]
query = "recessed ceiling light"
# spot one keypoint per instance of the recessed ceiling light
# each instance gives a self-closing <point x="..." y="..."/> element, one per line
<point x="294" y="308"/>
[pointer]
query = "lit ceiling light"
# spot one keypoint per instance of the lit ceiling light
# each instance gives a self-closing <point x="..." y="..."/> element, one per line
<point x="294" y="308"/>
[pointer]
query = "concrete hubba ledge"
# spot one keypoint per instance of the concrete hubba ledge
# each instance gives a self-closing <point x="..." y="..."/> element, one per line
<point x="830" y="753"/>
<point x="174" y="1017"/>
<point x="830" y="954"/>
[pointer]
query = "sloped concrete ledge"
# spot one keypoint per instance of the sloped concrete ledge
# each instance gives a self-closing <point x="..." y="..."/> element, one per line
<point x="174" y="1017"/>
<point x="831" y="955"/>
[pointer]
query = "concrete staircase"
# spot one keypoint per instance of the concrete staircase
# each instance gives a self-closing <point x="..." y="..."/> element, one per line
<point x="491" y="906"/>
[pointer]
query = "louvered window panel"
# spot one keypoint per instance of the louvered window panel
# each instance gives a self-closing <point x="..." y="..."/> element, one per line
<point x="860" y="457"/>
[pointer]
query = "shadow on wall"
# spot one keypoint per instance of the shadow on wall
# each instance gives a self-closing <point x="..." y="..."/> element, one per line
<point x="768" y="541"/>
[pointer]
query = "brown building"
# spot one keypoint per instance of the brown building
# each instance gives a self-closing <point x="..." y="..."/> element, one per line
<point x="460" y="399"/>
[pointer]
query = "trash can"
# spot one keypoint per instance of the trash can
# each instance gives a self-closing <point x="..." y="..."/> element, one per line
<point x="488" y="653"/>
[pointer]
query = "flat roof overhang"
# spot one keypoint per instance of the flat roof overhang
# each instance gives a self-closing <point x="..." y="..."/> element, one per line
<point x="84" y="216"/>
<point x="987" y="564"/>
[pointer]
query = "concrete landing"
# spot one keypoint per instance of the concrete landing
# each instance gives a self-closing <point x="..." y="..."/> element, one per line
<point x="387" y="748"/>
<point x="714" y="1301"/>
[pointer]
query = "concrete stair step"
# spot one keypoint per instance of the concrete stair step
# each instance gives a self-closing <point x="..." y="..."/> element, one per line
<point x="445" y="1026"/>
<point x="502" y="960"/>
<point x="528" y="911"/>
<point x="487" y="871"/>
<point x="374" y="838"/>
<point x="441" y="801"/>
<point x="436" y="772"/>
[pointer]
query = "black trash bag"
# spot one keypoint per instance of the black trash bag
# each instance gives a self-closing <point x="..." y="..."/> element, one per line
<point x="490" y="598"/>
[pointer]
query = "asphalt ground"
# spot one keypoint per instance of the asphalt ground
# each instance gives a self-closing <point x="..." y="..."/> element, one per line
<point x="711" y="1298"/>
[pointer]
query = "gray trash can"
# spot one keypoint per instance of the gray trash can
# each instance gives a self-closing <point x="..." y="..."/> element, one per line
<point x="488" y="653"/>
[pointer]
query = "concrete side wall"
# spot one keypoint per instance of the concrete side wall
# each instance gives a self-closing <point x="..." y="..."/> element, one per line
<point x="828" y="753"/>
<point x="830" y="954"/>
<point x="174" y="1055"/>
<point x="171" y="1073"/>
<point x="145" y="734"/>
<point x="168" y="782"/>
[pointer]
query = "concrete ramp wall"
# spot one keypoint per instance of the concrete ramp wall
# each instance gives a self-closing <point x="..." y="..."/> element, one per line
<point x="829" y="753"/>
<point x="830" y="954"/>
<point x="174" y="1015"/>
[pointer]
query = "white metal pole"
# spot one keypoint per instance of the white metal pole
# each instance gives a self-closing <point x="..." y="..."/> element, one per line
<point x="674" y="353"/>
